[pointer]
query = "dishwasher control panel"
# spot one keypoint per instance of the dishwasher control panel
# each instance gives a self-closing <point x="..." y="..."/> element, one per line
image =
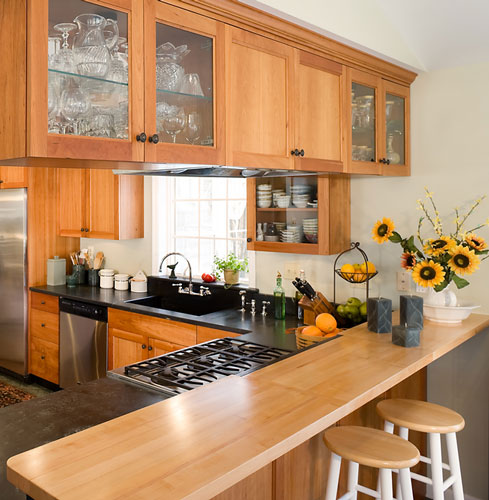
<point x="85" y="309"/>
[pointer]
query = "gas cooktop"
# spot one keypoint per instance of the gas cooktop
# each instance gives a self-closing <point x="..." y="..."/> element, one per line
<point x="183" y="370"/>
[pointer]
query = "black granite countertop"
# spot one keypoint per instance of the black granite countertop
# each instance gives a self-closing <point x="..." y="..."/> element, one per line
<point x="263" y="327"/>
<point x="26" y="425"/>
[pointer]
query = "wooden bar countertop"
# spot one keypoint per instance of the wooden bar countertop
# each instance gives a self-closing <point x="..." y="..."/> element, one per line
<point x="200" y="443"/>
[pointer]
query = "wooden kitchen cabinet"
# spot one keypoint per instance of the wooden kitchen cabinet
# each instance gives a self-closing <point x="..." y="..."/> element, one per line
<point x="284" y="106"/>
<point x="13" y="177"/>
<point x="205" y="334"/>
<point x="98" y="204"/>
<point x="379" y="124"/>
<point x="321" y="230"/>
<point x="135" y="337"/>
<point x="44" y="337"/>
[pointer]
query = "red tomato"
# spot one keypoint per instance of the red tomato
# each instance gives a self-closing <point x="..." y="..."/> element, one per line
<point x="208" y="278"/>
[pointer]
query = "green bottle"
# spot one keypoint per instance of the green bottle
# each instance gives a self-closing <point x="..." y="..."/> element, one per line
<point x="279" y="298"/>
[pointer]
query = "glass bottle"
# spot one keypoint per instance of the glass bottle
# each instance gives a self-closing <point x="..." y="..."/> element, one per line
<point x="298" y="297"/>
<point x="279" y="298"/>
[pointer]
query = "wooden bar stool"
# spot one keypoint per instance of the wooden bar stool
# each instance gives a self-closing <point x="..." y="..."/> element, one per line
<point x="373" y="448"/>
<point x="434" y="420"/>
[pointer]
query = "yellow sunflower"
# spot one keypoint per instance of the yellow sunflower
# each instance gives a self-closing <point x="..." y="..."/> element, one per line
<point x="464" y="260"/>
<point x="408" y="260"/>
<point x="438" y="246"/>
<point x="428" y="273"/>
<point x="476" y="242"/>
<point x="382" y="230"/>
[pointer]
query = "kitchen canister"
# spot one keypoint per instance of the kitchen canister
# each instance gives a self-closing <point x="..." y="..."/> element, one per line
<point x="56" y="271"/>
<point x="139" y="283"/>
<point x="106" y="278"/>
<point x="121" y="281"/>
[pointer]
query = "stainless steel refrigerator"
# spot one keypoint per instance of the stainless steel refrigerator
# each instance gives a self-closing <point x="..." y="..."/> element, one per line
<point x="13" y="280"/>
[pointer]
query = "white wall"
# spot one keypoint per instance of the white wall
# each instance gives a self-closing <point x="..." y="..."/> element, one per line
<point x="128" y="256"/>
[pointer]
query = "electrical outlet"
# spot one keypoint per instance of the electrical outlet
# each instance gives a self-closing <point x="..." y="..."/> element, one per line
<point x="292" y="270"/>
<point x="403" y="281"/>
<point x="420" y="289"/>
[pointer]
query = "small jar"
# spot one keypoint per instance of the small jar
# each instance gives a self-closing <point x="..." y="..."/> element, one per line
<point x="81" y="273"/>
<point x="121" y="281"/>
<point x="106" y="278"/>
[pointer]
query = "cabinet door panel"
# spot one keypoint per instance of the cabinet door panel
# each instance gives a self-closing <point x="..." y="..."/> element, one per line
<point x="44" y="359"/>
<point x="44" y="325"/>
<point x="125" y="348"/>
<point x="160" y="347"/>
<point x="71" y="201"/>
<point x="13" y="177"/>
<point x="258" y="100"/>
<point x="102" y="204"/>
<point x="319" y="108"/>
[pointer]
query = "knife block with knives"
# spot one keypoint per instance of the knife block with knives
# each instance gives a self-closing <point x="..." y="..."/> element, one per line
<point x="314" y="303"/>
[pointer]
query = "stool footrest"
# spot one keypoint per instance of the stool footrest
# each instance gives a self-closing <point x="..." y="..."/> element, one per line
<point x="368" y="491"/>
<point x="427" y="460"/>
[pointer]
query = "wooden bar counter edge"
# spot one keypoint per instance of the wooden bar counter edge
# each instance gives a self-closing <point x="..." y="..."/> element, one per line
<point x="198" y="444"/>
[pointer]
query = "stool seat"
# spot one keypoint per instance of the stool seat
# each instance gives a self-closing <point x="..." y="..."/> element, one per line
<point x="371" y="447"/>
<point x="420" y="416"/>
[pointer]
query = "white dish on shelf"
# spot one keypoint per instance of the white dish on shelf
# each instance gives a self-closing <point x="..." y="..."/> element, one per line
<point x="448" y="314"/>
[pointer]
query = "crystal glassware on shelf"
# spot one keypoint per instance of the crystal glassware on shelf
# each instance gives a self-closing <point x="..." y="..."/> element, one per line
<point x="392" y="155"/>
<point x="92" y="44"/>
<point x="169" y="72"/>
<point x="174" y="122"/>
<point x="102" y="125"/>
<point x="121" y="121"/>
<point x="63" y="59"/>
<point x="194" y="127"/>
<point x="191" y="85"/>
<point x="74" y="105"/>
<point x="118" y="66"/>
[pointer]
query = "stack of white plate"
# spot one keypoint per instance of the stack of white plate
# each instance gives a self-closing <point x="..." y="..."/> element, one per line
<point x="301" y="195"/>
<point x="264" y="195"/>
<point x="310" y="230"/>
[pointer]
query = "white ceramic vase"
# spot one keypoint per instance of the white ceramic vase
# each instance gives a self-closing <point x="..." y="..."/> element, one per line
<point x="445" y="298"/>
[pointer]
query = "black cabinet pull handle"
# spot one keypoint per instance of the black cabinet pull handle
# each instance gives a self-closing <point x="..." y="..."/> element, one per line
<point x="141" y="137"/>
<point x="150" y="348"/>
<point x="249" y="240"/>
<point x="43" y="325"/>
<point x="143" y="346"/>
<point x="301" y="152"/>
<point x="154" y="138"/>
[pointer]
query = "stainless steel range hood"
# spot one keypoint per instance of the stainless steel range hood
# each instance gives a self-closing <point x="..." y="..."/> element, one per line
<point x="179" y="170"/>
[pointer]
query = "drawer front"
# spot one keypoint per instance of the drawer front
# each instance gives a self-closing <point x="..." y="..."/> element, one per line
<point x="159" y="328"/>
<point x="204" y="334"/>
<point x="44" y="325"/>
<point x="44" y="359"/>
<point x="43" y="302"/>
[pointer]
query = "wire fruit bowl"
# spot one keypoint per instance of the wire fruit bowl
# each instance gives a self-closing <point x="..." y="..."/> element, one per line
<point x="356" y="277"/>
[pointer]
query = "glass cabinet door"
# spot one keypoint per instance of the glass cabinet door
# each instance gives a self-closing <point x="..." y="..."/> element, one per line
<point x="363" y="106"/>
<point x="286" y="214"/>
<point x="396" y="128"/>
<point x="181" y="111"/>
<point x="89" y="74"/>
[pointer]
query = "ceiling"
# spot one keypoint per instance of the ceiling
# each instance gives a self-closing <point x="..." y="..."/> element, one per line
<point x="421" y="35"/>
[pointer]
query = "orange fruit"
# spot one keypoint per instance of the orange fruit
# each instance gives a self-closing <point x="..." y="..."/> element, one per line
<point x="312" y="331"/>
<point x="371" y="268"/>
<point x="326" y="322"/>
<point x="359" y="275"/>
<point x="347" y="271"/>
<point x="329" y="335"/>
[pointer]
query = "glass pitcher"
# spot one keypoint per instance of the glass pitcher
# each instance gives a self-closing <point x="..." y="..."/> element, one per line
<point x="95" y="39"/>
<point x="169" y="72"/>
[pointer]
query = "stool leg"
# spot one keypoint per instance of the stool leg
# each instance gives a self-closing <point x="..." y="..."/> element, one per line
<point x="388" y="427"/>
<point x="404" y="481"/>
<point x="385" y="484"/>
<point x="454" y="462"/>
<point x="333" y="477"/>
<point x="404" y="433"/>
<point x="353" y="479"/>
<point x="436" y="466"/>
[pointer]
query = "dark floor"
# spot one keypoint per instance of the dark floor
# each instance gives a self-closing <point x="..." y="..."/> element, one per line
<point x="34" y="389"/>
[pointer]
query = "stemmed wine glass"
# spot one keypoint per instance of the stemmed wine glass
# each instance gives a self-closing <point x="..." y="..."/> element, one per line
<point x="174" y="121"/>
<point x="63" y="60"/>
<point x="194" y="127"/>
<point x="74" y="105"/>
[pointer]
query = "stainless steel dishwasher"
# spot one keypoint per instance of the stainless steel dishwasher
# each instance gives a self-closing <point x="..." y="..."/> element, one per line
<point x="82" y="342"/>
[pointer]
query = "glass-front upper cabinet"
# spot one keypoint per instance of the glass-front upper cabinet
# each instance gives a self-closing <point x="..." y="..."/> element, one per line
<point x="183" y="61"/>
<point x="84" y="70"/>
<point x="379" y="114"/>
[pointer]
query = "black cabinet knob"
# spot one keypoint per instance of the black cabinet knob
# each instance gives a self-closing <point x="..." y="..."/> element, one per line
<point x="143" y="346"/>
<point x="43" y="325"/>
<point x="43" y="301"/>
<point x="388" y="162"/>
<point x="42" y="357"/>
<point x="86" y="229"/>
<point x="82" y="229"/>
<point x="249" y="240"/>
<point x="150" y="348"/>
<point x="141" y="137"/>
<point x="1" y="182"/>
<point x="372" y="159"/>
<point x="154" y="139"/>
<point x="292" y="152"/>
<point x="297" y="152"/>
<point x="301" y="152"/>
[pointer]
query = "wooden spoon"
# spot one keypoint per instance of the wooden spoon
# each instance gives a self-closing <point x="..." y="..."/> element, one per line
<point x="97" y="263"/>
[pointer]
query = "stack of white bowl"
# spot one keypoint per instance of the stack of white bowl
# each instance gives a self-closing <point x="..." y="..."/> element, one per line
<point x="264" y="195"/>
<point x="283" y="201"/>
<point x="280" y="226"/>
<point x="276" y="193"/>
<point x="301" y="195"/>
<point x="292" y="234"/>
<point x="310" y="230"/>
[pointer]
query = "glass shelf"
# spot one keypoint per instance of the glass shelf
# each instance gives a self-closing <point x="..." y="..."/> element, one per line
<point x="86" y="78"/>
<point x="171" y="93"/>
<point x="290" y="209"/>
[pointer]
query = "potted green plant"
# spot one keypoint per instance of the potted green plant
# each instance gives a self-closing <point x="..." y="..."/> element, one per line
<point x="231" y="267"/>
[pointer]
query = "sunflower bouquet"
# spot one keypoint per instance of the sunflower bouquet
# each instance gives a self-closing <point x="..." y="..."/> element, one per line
<point x="438" y="261"/>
